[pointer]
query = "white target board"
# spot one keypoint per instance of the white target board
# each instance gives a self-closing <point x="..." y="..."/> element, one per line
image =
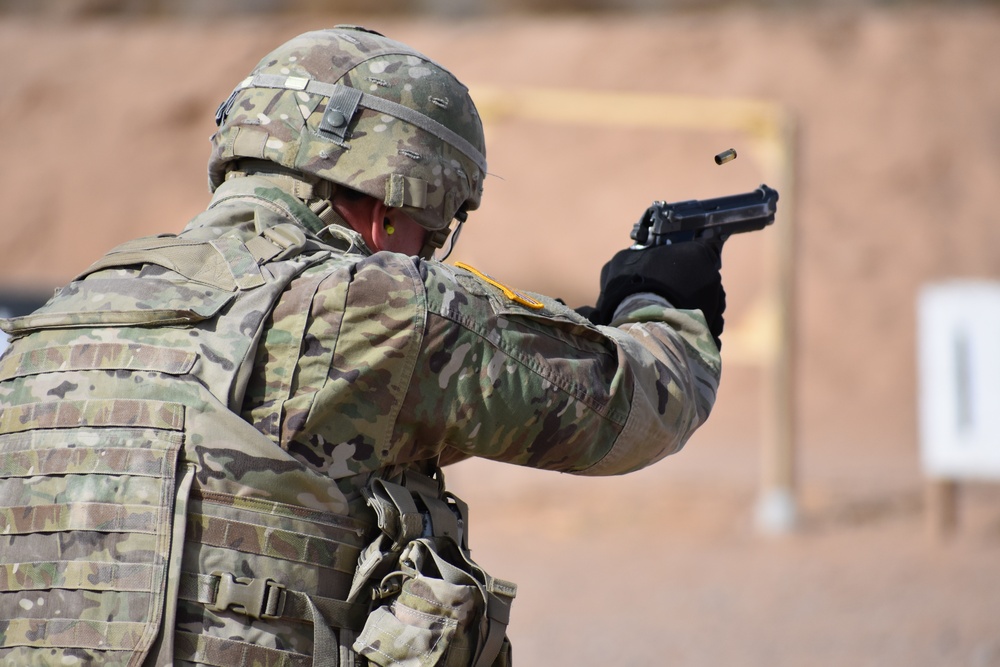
<point x="959" y="374"/>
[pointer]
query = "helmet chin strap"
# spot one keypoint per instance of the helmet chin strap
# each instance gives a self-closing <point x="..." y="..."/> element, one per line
<point x="452" y="240"/>
<point x="436" y="238"/>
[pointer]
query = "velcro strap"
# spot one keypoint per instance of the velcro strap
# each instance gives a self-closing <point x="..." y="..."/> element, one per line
<point x="397" y="513"/>
<point x="278" y="242"/>
<point x="405" y="191"/>
<point x="262" y="249"/>
<point x="459" y="506"/>
<point x="498" y="613"/>
<point x="444" y="522"/>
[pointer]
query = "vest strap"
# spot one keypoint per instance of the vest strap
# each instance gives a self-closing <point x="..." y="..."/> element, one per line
<point x="218" y="652"/>
<point x="265" y="598"/>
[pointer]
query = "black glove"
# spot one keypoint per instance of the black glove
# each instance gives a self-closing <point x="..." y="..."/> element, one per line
<point x="589" y="312"/>
<point x="685" y="274"/>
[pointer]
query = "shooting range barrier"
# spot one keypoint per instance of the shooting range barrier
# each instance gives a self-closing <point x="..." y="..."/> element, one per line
<point x="959" y="392"/>
<point x="767" y="341"/>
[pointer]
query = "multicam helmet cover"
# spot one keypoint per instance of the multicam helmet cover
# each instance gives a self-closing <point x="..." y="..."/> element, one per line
<point x="353" y="107"/>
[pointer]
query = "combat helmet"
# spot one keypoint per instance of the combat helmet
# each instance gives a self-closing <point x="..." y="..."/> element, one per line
<point x="351" y="107"/>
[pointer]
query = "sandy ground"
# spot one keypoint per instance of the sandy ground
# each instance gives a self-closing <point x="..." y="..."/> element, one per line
<point x="104" y="128"/>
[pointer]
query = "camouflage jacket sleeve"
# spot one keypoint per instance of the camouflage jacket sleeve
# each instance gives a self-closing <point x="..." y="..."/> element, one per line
<point x="386" y="359"/>
<point x="542" y="387"/>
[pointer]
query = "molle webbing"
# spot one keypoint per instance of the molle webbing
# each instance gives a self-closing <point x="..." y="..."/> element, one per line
<point x="97" y="356"/>
<point x="208" y="650"/>
<point x="86" y="577"/>
<point x="270" y="562"/>
<point x="120" y="556"/>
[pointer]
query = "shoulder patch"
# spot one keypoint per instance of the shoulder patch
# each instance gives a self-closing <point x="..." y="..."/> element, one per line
<point x="512" y="294"/>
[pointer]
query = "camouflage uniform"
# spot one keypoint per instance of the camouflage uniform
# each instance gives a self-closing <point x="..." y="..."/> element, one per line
<point x="187" y="431"/>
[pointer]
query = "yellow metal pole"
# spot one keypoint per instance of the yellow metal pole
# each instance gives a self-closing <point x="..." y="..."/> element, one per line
<point x="625" y="109"/>
<point x="777" y="510"/>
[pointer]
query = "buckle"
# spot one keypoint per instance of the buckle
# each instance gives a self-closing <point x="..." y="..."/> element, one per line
<point x="286" y="236"/>
<point x="257" y="598"/>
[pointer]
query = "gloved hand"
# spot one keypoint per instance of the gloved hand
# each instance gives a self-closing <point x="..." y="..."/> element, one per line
<point x="685" y="274"/>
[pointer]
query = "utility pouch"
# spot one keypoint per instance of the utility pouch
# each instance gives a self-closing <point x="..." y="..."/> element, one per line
<point x="437" y="607"/>
<point x="427" y="621"/>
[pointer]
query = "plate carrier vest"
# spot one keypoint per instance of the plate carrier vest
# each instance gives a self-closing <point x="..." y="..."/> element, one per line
<point x="128" y="500"/>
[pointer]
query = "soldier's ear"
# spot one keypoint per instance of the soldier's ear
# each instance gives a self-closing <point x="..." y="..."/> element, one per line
<point x="381" y="227"/>
<point x="393" y="230"/>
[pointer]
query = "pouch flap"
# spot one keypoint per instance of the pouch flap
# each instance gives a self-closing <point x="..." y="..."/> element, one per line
<point x="224" y="263"/>
<point x="116" y="303"/>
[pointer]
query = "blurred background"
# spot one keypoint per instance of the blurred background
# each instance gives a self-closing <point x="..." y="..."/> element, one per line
<point x="889" y="167"/>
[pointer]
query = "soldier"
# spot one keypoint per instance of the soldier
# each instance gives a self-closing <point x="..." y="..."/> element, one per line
<point x="224" y="447"/>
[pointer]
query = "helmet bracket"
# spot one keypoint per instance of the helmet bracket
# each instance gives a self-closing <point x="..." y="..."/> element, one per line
<point x="340" y="110"/>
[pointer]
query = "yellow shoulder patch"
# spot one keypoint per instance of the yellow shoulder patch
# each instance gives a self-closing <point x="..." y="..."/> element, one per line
<point x="511" y="294"/>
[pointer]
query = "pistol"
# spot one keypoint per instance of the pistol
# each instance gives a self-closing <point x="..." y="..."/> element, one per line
<point x="664" y="223"/>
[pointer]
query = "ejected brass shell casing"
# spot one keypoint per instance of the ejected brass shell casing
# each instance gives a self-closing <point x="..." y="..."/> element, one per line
<point x="725" y="156"/>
